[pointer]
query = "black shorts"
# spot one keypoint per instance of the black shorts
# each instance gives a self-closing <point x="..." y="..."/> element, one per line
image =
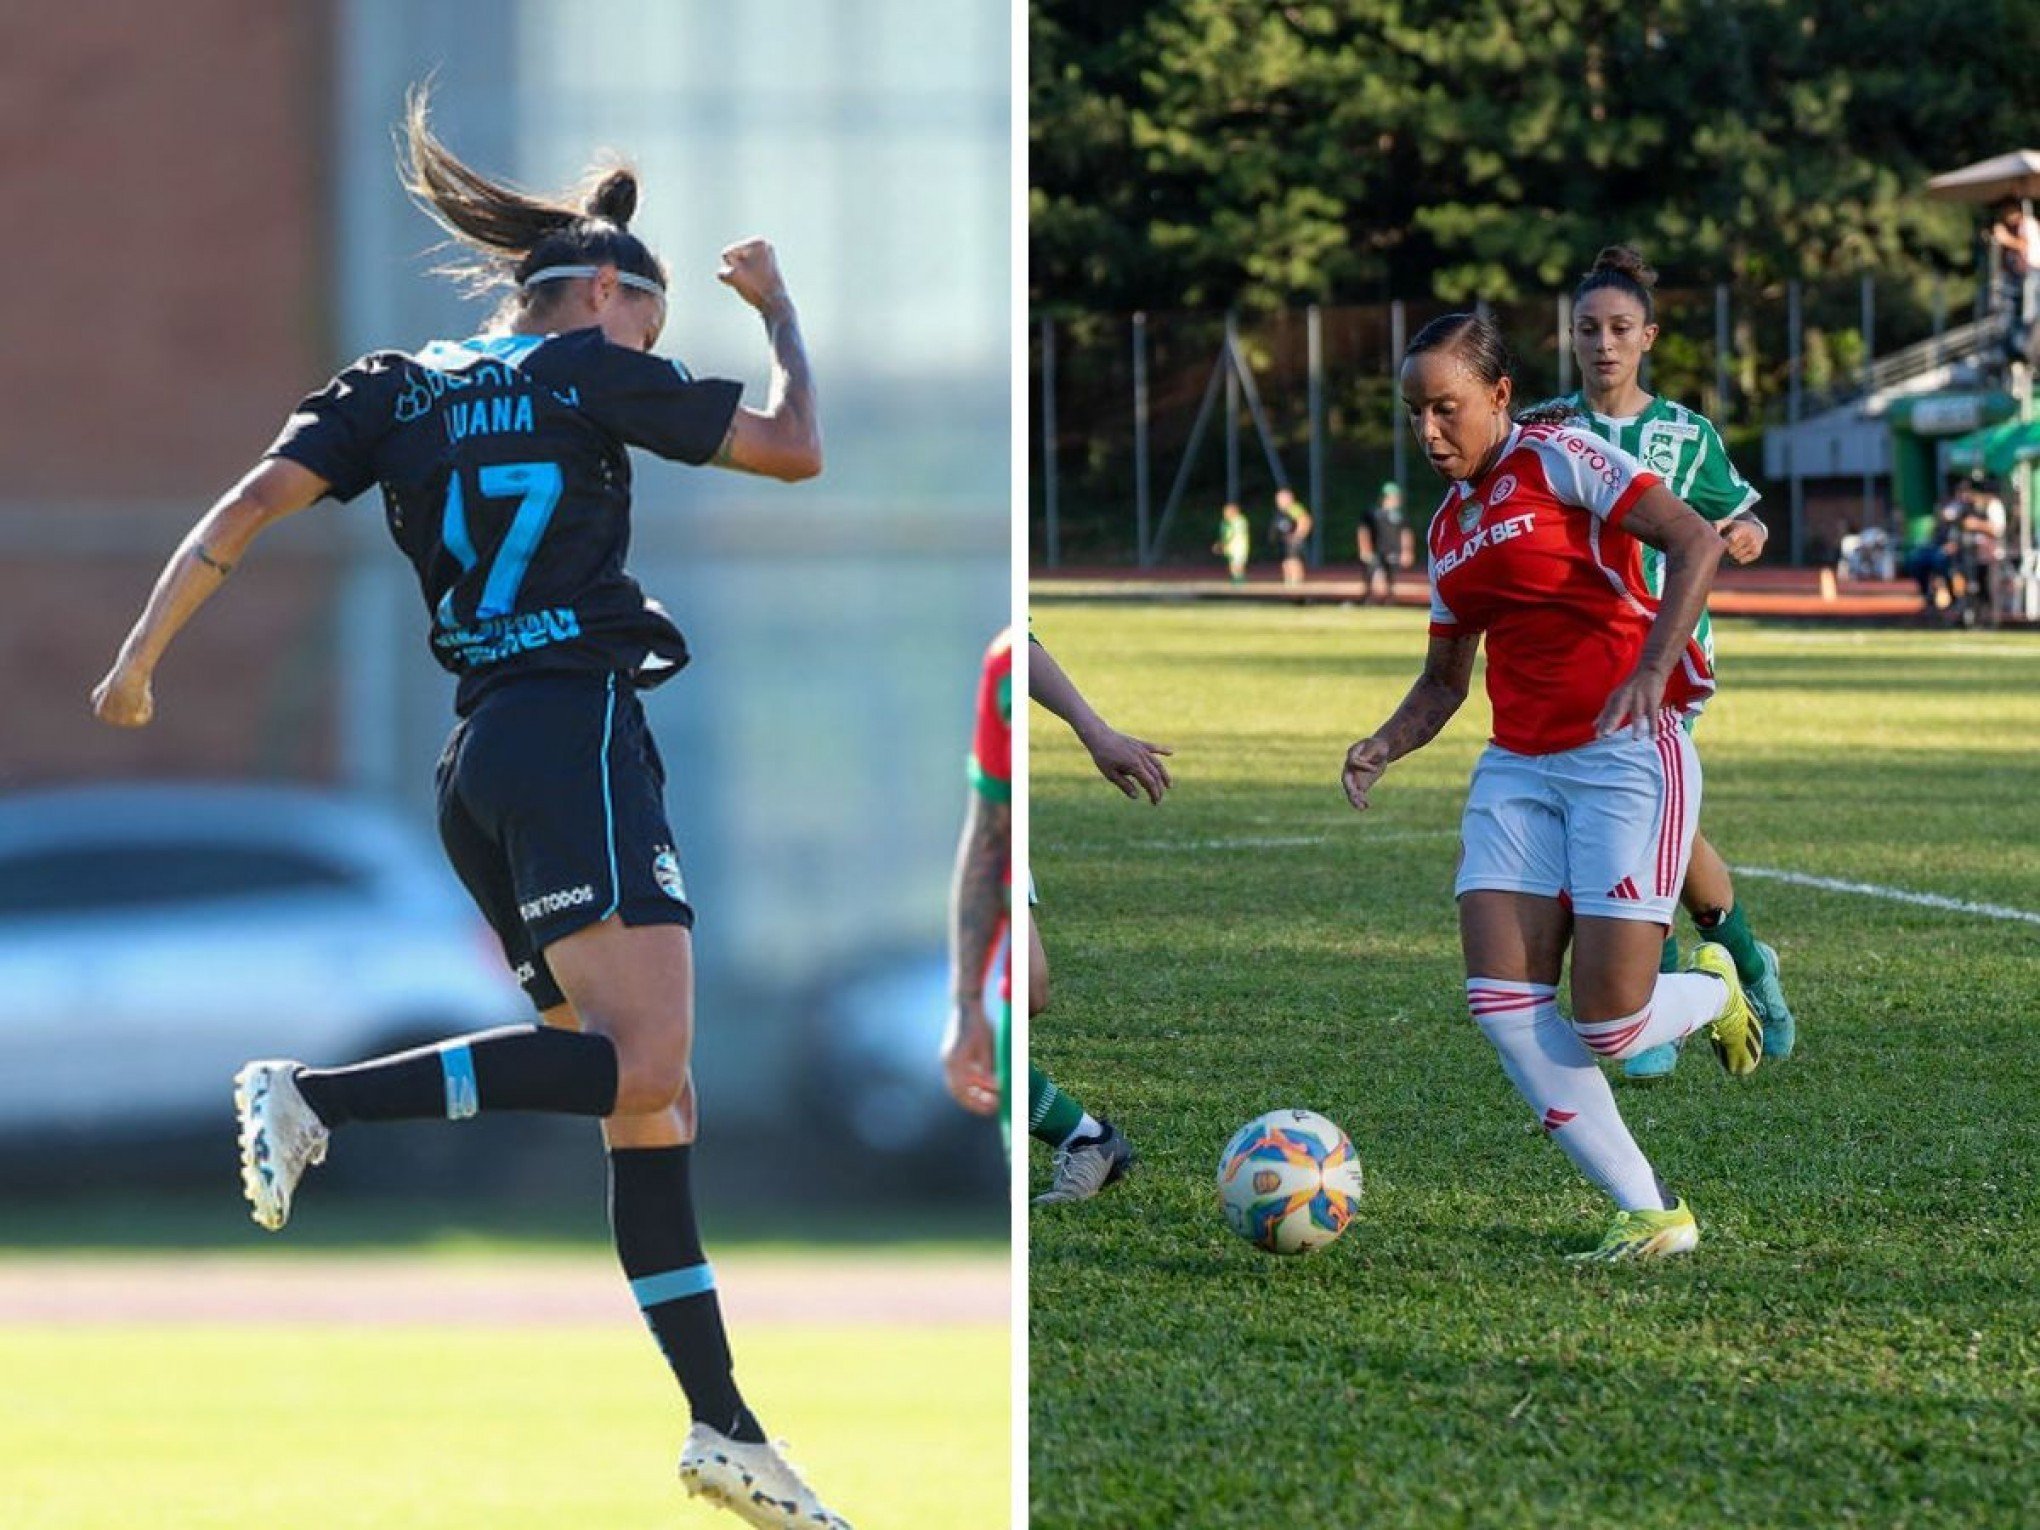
<point x="551" y="810"/>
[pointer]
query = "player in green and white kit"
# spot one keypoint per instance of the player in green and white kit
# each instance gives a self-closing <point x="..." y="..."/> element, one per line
<point x="1235" y="537"/>
<point x="1090" y="1152"/>
<point x="1614" y="324"/>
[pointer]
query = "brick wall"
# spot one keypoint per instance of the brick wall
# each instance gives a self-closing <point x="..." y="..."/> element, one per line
<point x="166" y="236"/>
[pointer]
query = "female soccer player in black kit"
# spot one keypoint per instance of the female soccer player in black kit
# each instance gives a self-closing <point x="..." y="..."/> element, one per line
<point x="506" y="480"/>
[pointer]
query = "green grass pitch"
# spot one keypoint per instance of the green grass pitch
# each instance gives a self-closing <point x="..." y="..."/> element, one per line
<point x="1854" y="1342"/>
<point x="159" y="1427"/>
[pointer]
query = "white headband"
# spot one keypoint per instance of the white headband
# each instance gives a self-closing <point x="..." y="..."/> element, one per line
<point x="562" y="273"/>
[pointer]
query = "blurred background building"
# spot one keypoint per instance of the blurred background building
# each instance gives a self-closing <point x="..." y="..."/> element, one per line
<point x="208" y="224"/>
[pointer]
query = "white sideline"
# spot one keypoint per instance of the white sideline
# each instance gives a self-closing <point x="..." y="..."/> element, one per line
<point x="1271" y="841"/>
<point x="1762" y="873"/>
<point x="1892" y="894"/>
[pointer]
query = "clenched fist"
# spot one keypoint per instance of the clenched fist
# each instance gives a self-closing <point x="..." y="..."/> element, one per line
<point x="751" y="270"/>
<point x="124" y="698"/>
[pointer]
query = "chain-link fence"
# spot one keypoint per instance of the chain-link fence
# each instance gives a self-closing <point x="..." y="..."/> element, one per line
<point x="1141" y="430"/>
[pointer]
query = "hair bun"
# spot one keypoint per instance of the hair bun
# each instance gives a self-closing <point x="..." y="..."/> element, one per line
<point x="614" y="198"/>
<point x="1627" y="261"/>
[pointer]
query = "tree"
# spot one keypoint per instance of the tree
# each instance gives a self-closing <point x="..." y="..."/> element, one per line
<point x="1216" y="153"/>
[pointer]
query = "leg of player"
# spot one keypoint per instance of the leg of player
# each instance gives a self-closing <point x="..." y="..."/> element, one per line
<point x="636" y="985"/>
<point x="1660" y="1061"/>
<point x="1709" y="896"/>
<point x="1514" y="945"/>
<point x="1089" y="1153"/>
<point x="287" y="1110"/>
<point x="1623" y="1004"/>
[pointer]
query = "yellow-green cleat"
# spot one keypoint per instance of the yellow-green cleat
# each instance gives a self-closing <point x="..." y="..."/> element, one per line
<point x="1737" y="1033"/>
<point x="1644" y="1235"/>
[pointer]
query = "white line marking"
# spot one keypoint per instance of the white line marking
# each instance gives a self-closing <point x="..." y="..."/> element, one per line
<point x="1268" y="841"/>
<point x="1894" y="894"/>
<point x="1244" y="842"/>
<point x="1762" y="873"/>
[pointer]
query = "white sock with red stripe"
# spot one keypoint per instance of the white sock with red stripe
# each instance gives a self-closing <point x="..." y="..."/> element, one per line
<point x="1681" y="1003"/>
<point x="1555" y="1073"/>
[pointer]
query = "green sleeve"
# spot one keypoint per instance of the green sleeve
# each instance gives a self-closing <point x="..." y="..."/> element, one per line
<point x="1717" y="490"/>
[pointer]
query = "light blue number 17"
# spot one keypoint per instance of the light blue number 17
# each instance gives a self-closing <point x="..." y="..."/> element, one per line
<point x="537" y="487"/>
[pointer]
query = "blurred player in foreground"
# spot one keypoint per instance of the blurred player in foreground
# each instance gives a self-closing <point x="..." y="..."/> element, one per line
<point x="505" y="475"/>
<point x="1614" y="325"/>
<point x="1090" y="1152"/>
<point x="1581" y="811"/>
<point x="977" y="1056"/>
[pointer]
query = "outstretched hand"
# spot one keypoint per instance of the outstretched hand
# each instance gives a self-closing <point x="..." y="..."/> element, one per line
<point x="1131" y="764"/>
<point x="1365" y="762"/>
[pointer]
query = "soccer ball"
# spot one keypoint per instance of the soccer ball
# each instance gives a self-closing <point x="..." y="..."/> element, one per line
<point x="1289" y="1182"/>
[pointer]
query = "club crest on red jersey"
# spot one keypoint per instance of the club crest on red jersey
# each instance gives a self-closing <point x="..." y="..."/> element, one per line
<point x="1504" y="486"/>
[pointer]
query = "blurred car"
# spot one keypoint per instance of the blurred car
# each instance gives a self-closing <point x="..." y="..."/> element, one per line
<point x="873" y="1088"/>
<point x="155" y="937"/>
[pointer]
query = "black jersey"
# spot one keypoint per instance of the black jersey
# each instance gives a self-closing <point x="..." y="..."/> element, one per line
<point x="506" y="482"/>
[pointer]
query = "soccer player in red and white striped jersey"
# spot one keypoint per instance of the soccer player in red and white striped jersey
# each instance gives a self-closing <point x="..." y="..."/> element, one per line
<point x="977" y="1062"/>
<point x="1580" y="816"/>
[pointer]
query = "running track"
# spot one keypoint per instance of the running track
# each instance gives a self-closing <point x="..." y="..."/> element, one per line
<point x="855" y="1289"/>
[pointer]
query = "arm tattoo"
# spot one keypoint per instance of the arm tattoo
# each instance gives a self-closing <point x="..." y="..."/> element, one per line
<point x="1438" y="693"/>
<point x="793" y="387"/>
<point x="978" y="901"/>
<point x="1421" y="717"/>
<point x="219" y="567"/>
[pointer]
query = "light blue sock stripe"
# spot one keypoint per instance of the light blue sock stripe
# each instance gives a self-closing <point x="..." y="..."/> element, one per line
<point x="652" y="1290"/>
<point x="608" y="806"/>
<point x="463" y="1095"/>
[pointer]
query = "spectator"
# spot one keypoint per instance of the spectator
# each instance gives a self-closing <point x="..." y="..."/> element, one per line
<point x="1384" y="542"/>
<point x="1291" y="527"/>
<point x="1233" y="539"/>
<point x="2014" y="240"/>
<point x="1864" y="554"/>
<point x="1931" y="563"/>
<point x="1979" y="538"/>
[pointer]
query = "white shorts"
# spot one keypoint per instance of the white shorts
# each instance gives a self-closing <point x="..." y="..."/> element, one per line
<point x="1608" y="826"/>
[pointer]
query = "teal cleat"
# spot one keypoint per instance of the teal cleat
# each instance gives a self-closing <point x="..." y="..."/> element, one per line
<point x="1767" y="998"/>
<point x="1652" y="1063"/>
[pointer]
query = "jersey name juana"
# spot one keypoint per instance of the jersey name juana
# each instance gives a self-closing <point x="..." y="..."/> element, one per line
<point x="506" y="482"/>
<point x="1534" y="556"/>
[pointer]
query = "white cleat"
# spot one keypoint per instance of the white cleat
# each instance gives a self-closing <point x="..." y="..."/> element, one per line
<point x="281" y="1137"/>
<point x="1085" y="1169"/>
<point x="754" y="1482"/>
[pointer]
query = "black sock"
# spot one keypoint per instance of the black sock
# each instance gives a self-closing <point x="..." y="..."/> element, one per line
<point x="520" y="1067"/>
<point x="651" y="1210"/>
